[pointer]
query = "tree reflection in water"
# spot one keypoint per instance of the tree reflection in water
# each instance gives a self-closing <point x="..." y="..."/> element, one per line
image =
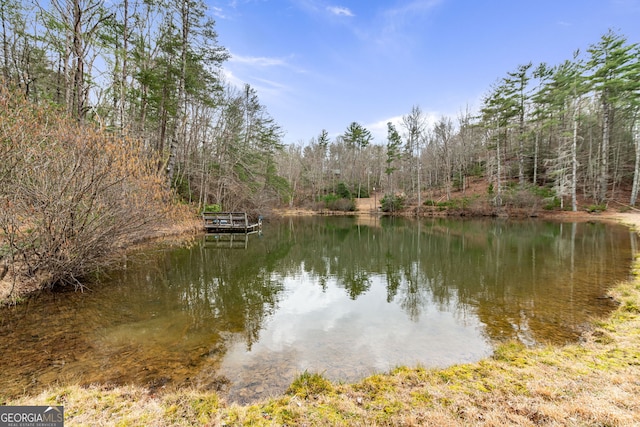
<point x="319" y="293"/>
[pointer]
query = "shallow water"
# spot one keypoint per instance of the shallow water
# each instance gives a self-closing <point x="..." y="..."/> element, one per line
<point x="328" y="295"/>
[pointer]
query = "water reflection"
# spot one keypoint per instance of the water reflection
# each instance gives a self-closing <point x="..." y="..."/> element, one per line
<point x="322" y="294"/>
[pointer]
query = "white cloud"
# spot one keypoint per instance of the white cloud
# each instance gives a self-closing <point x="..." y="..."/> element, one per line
<point x="395" y="19"/>
<point x="263" y="62"/>
<point x="340" y="11"/>
<point x="379" y="129"/>
<point x="232" y="79"/>
<point x="272" y="83"/>
<point x="257" y="61"/>
<point x="267" y="89"/>
<point x="218" y="12"/>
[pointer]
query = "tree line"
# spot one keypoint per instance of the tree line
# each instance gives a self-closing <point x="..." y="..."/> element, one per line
<point x="149" y="70"/>
<point x="566" y="132"/>
<point x="112" y="116"/>
<point x="109" y="110"/>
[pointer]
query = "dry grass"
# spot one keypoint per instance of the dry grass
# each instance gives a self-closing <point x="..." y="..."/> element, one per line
<point x="593" y="383"/>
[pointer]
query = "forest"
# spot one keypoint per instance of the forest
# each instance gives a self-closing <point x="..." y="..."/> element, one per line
<point x="114" y="114"/>
<point x="552" y="136"/>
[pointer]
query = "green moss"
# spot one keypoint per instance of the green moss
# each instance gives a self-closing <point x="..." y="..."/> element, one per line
<point x="388" y="410"/>
<point x="455" y="374"/>
<point x="602" y="337"/>
<point x="59" y="397"/>
<point x="329" y="415"/>
<point x="511" y="351"/>
<point x="616" y="358"/>
<point x="621" y="316"/>
<point x="138" y="421"/>
<point x="445" y="402"/>
<point x="308" y="384"/>
<point x="376" y="386"/>
<point x="411" y="377"/>
<point x="630" y="306"/>
<point x="204" y="407"/>
<point x="171" y="411"/>
<point x="482" y="386"/>
<point x="421" y="398"/>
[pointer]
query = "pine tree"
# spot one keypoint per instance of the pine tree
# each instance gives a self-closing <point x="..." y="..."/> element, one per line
<point x="608" y="64"/>
<point x="357" y="138"/>
<point x="394" y="143"/>
<point x="516" y="90"/>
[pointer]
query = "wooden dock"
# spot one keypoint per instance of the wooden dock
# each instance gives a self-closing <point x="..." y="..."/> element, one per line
<point x="229" y="222"/>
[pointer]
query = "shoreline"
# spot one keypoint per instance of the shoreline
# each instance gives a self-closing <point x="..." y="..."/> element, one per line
<point x="14" y="292"/>
<point x="594" y="382"/>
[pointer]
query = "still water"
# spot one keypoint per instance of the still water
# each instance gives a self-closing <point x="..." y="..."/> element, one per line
<point x="345" y="297"/>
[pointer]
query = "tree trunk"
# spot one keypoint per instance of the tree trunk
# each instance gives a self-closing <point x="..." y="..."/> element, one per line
<point x="574" y="159"/>
<point x="5" y="43"/>
<point x="78" y="72"/>
<point x="419" y="183"/>
<point x="604" y="152"/>
<point x="125" y="54"/>
<point x="498" y="181"/>
<point x="171" y="161"/>
<point x="535" y="159"/>
<point x="636" y="170"/>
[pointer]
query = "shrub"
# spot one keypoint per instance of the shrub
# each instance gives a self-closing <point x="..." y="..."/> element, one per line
<point x="518" y="196"/>
<point x="339" y="201"/>
<point x="334" y="202"/>
<point x="551" y="203"/>
<point x="391" y="203"/>
<point x="447" y="204"/>
<point x="477" y="169"/>
<point x="343" y="191"/>
<point x="182" y="188"/>
<point x="363" y="193"/>
<point x="596" y="208"/>
<point x="212" y="208"/>
<point x="343" y="205"/>
<point x="458" y="181"/>
<point x="327" y="199"/>
<point x="544" y="192"/>
<point x="71" y="194"/>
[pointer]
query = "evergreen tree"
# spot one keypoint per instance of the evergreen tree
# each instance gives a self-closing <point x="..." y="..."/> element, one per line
<point x="357" y="138"/>
<point x="394" y="143"/>
<point x="609" y="64"/>
<point x="516" y="90"/>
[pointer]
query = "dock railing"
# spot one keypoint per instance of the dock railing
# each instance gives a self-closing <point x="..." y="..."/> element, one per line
<point x="231" y="222"/>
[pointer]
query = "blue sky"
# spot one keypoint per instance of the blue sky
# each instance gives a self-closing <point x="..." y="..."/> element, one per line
<point x="322" y="64"/>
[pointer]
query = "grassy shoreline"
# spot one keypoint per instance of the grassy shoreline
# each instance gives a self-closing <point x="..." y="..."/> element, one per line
<point x="594" y="382"/>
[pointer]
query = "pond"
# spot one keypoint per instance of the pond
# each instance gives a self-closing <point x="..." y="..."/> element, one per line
<point x="342" y="296"/>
